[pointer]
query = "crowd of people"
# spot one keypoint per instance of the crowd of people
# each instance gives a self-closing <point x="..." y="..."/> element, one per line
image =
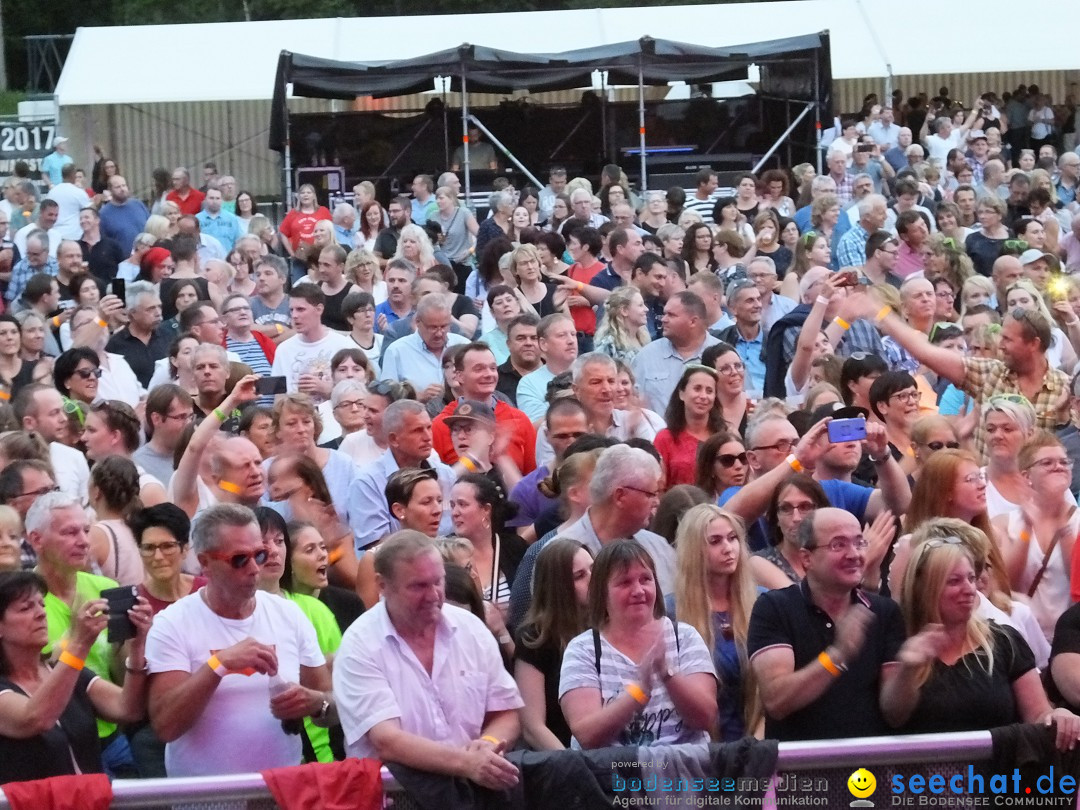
<point x="796" y="458"/>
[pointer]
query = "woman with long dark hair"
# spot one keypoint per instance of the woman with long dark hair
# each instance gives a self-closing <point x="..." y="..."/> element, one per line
<point x="560" y="595"/>
<point x="721" y="463"/>
<point x="693" y="414"/>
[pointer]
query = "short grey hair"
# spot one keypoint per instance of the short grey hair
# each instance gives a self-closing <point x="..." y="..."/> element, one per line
<point x="206" y="531"/>
<point x="669" y="231"/>
<point x="136" y="289"/>
<point x="432" y="302"/>
<point x="346" y="387"/>
<point x="39" y="518"/>
<point x="278" y="263"/>
<point x="754" y="427"/>
<point x="499" y="199"/>
<point x="342" y="209"/>
<point x="249" y="237"/>
<point x="205" y="348"/>
<point x="402" y="546"/>
<point x="40" y="237"/>
<point x="580" y="194"/>
<point x="866" y="204"/>
<point x="765" y="260"/>
<point x="446" y="178"/>
<point x="821" y="184"/>
<point x="396" y="412"/>
<point x="621" y="466"/>
<point x="577" y="370"/>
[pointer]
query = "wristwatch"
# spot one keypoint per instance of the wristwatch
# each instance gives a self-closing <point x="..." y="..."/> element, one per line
<point x="321" y="715"/>
<point x="667" y="675"/>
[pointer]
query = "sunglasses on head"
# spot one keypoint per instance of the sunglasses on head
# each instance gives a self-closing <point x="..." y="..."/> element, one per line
<point x="942" y="329"/>
<point x="238" y="561"/>
<point x="728" y="459"/>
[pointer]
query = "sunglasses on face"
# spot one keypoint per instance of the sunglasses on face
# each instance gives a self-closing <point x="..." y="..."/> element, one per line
<point x="239" y="561"/>
<point x="727" y="460"/>
<point x="87" y="373"/>
<point x="935" y="446"/>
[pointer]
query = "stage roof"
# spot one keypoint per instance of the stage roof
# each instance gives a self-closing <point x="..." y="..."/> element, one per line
<point x="864" y="33"/>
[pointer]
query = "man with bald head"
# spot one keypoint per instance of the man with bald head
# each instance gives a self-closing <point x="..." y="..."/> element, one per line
<point x="824" y="651"/>
<point x="896" y="155"/>
<point x="1007" y="271"/>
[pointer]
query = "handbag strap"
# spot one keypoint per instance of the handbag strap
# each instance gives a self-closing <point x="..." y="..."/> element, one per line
<point x="1049" y="551"/>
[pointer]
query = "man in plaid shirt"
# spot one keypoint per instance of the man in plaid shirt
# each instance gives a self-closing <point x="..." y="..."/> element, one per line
<point x="1022" y="370"/>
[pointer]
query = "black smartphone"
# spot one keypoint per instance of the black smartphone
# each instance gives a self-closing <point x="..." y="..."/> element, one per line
<point x="268" y="386"/>
<point x="864" y="147"/>
<point x="119" y="288"/>
<point x="121" y="600"/>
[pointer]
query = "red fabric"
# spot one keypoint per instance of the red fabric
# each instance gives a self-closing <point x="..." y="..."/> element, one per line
<point x="90" y="791"/>
<point x="299" y="227"/>
<point x="191" y="204"/>
<point x="266" y="344"/>
<point x="522" y="447"/>
<point x="584" y="317"/>
<point x="354" y="784"/>
<point x="679" y="457"/>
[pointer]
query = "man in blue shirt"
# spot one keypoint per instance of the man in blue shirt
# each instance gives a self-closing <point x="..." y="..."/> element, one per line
<point x="123" y="217"/>
<point x="217" y="222"/>
<point x="822" y="184"/>
<point x="54" y="163"/>
<point x="747" y="336"/>
<point x="851" y="247"/>
<point x="399" y="276"/>
<point x="418" y="357"/>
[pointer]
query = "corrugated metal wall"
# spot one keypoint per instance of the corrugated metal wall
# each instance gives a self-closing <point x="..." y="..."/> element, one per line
<point x="143" y="136"/>
<point x="963" y="86"/>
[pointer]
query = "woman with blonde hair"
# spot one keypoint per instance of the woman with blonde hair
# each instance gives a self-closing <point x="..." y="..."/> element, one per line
<point x="959" y="672"/>
<point x="714" y="594"/>
<point x="362" y="269"/>
<point x="523" y="276"/>
<point x="158" y="227"/>
<point x="415" y="247"/>
<point x="824" y="215"/>
<point x="1037" y="539"/>
<point x="949" y="261"/>
<point x="930" y="434"/>
<point x="767" y="239"/>
<point x="623" y="332"/>
<point x="812" y="250"/>
<point x="976" y="291"/>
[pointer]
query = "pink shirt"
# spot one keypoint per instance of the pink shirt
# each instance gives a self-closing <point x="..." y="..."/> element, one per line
<point x="907" y="261"/>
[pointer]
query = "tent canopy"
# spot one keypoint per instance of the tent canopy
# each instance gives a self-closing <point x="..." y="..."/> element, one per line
<point x="863" y="44"/>
<point x="482" y="69"/>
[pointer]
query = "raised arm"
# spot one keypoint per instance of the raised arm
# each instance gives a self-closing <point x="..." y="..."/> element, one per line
<point x="943" y="362"/>
<point x="893" y="491"/>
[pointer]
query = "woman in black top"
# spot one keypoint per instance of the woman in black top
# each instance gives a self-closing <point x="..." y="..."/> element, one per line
<point x="48" y="712"/>
<point x="959" y="672"/>
<point x="557" y="614"/>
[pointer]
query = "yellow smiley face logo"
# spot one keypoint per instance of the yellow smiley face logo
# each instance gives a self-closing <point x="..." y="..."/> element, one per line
<point x="861" y="783"/>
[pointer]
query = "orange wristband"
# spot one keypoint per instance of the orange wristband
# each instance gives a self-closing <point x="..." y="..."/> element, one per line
<point x="215" y="664"/>
<point x="335" y="555"/>
<point x="885" y="310"/>
<point x="102" y="324"/>
<point x="75" y="663"/>
<point x="842" y="323"/>
<point x="794" y="463"/>
<point x="229" y="486"/>
<point x="827" y="662"/>
<point x="637" y="693"/>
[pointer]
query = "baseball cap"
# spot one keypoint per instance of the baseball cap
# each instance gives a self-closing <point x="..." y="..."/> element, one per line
<point x="975" y="135"/>
<point x="471" y="410"/>
<point x="1034" y="254"/>
<point x="59" y="139"/>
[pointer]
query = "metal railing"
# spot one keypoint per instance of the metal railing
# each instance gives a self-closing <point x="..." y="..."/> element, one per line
<point x="930" y="751"/>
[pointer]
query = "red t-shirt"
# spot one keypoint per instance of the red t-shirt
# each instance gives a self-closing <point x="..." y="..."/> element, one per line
<point x="299" y="226"/>
<point x="192" y="204"/>
<point x="522" y="447"/>
<point x="584" y="317"/>
<point x="679" y="456"/>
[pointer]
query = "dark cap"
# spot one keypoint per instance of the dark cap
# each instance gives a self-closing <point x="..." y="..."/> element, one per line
<point x="470" y="409"/>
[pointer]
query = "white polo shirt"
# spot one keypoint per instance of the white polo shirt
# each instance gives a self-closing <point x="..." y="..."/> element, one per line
<point x="377" y="677"/>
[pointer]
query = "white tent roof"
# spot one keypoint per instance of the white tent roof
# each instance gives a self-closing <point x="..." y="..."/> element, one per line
<point x="237" y="61"/>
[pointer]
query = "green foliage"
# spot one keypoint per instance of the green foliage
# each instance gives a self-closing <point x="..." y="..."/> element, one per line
<point x="9" y="101"/>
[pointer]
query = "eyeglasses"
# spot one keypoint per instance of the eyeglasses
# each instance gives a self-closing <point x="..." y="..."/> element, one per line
<point x="181" y="417"/>
<point x="350" y="404"/>
<point x="1016" y="244"/>
<point x="209" y="320"/>
<point x="87" y="373"/>
<point x="935" y="446"/>
<point x="783" y="445"/>
<point x="838" y="545"/>
<point x="731" y="369"/>
<point x="37" y="493"/>
<point x="906" y="396"/>
<point x="167" y="548"/>
<point x="788" y="509"/>
<point x="1048" y="464"/>
<point x="947" y="295"/>
<point x="238" y="561"/>
<point x="727" y="460"/>
<point x="936" y="543"/>
<point x="233" y="310"/>
<point x="975" y="478"/>
<point x="1015" y="399"/>
<point x="651" y="494"/>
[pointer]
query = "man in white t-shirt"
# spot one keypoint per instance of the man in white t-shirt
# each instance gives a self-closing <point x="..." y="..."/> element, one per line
<point x="71" y="200"/>
<point x="231" y="666"/>
<point x="304" y="359"/>
<point x="421" y="682"/>
<point x="945" y="137"/>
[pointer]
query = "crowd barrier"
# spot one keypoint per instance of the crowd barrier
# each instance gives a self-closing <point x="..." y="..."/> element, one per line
<point x="822" y="766"/>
